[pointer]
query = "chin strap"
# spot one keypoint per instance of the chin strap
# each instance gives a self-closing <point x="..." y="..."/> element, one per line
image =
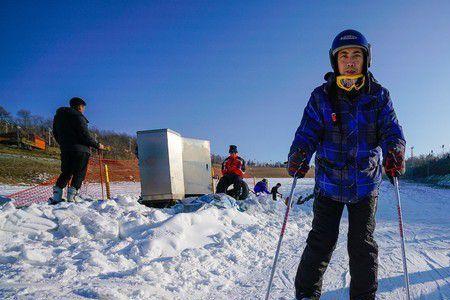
<point x="350" y="82"/>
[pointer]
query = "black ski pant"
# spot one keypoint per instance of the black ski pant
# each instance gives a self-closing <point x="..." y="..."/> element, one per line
<point x="321" y="241"/>
<point x="73" y="167"/>
<point x="226" y="181"/>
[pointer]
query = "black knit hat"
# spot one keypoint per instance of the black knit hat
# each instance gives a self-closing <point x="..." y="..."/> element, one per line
<point x="233" y="149"/>
<point x="76" y="101"/>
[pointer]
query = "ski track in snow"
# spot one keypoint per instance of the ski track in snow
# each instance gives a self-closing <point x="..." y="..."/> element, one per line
<point x="122" y="250"/>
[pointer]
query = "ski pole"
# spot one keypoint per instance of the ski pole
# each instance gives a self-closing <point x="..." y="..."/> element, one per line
<point x="400" y="225"/>
<point x="283" y="229"/>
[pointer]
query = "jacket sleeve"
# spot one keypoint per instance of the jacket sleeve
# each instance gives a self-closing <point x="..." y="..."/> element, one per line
<point x="310" y="131"/>
<point x="390" y="133"/>
<point x="243" y="165"/>
<point x="84" y="135"/>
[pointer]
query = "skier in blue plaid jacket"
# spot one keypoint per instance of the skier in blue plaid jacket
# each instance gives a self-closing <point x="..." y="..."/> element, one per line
<point x="349" y="123"/>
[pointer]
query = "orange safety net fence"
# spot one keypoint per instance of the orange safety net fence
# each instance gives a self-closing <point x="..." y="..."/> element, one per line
<point x="123" y="179"/>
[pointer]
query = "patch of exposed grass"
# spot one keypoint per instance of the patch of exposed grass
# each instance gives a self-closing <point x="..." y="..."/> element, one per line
<point x="22" y="169"/>
<point x="52" y="152"/>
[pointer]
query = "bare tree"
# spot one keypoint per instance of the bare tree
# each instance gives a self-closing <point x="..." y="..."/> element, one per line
<point x="36" y="121"/>
<point x="24" y="118"/>
<point x="5" y="119"/>
<point x="5" y="116"/>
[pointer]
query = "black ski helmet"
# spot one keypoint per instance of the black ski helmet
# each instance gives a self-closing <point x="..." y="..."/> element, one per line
<point x="76" y="101"/>
<point x="233" y="149"/>
<point x="346" y="39"/>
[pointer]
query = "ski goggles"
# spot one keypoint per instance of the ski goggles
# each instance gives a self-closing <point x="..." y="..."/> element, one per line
<point x="350" y="82"/>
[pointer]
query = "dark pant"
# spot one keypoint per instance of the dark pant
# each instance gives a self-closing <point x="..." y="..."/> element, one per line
<point x="226" y="181"/>
<point x="73" y="166"/>
<point x="362" y="248"/>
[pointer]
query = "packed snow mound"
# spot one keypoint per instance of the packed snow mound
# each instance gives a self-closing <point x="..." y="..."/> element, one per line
<point x="209" y="248"/>
<point x="146" y="233"/>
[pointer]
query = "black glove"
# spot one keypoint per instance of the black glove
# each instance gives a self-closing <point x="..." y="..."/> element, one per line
<point x="394" y="163"/>
<point x="297" y="165"/>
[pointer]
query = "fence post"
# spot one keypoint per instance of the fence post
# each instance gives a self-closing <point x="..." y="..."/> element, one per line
<point x="108" y="189"/>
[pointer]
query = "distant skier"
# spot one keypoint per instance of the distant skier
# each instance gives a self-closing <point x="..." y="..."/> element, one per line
<point x="348" y="122"/>
<point x="233" y="169"/>
<point x="72" y="134"/>
<point x="274" y="191"/>
<point x="261" y="187"/>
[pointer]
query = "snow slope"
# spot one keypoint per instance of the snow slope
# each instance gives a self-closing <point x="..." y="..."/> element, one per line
<point x="122" y="250"/>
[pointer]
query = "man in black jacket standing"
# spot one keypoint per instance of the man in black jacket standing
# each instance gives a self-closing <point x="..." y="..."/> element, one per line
<point x="72" y="134"/>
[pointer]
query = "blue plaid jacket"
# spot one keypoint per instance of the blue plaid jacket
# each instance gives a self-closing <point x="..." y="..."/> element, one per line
<point x="348" y="152"/>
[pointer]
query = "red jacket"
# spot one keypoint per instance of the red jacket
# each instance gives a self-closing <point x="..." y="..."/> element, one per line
<point x="233" y="164"/>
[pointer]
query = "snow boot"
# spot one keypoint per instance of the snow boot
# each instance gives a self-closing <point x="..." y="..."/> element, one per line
<point x="303" y="297"/>
<point x="307" y="298"/>
<point x="57" y="196"/>
<point x="72" y="195"/>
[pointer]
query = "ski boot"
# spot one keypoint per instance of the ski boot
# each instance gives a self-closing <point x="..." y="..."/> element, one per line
<point x="72" y="195"/>
<point x="57" y="196"/>
<point x="303" y="297"/>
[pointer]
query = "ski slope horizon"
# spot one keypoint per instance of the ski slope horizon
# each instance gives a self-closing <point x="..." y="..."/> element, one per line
<point x="119" y="249"/>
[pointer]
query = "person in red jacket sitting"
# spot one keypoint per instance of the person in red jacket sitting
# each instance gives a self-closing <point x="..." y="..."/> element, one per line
<point x="233" y="164"/>
<point x="233" y="169"/>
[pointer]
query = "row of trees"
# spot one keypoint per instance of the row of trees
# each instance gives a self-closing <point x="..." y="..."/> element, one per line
<point x="24" y="120"/>
<point x="123" y="145"/>
<point x="426" y="165"/>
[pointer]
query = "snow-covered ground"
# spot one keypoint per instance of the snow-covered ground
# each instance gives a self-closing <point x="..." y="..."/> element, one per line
<point x="122" y="250"/>
<point x="6" y="189"/>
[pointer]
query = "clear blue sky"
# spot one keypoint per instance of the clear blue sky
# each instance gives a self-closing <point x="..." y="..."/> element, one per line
<point x="233" y="72"/>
